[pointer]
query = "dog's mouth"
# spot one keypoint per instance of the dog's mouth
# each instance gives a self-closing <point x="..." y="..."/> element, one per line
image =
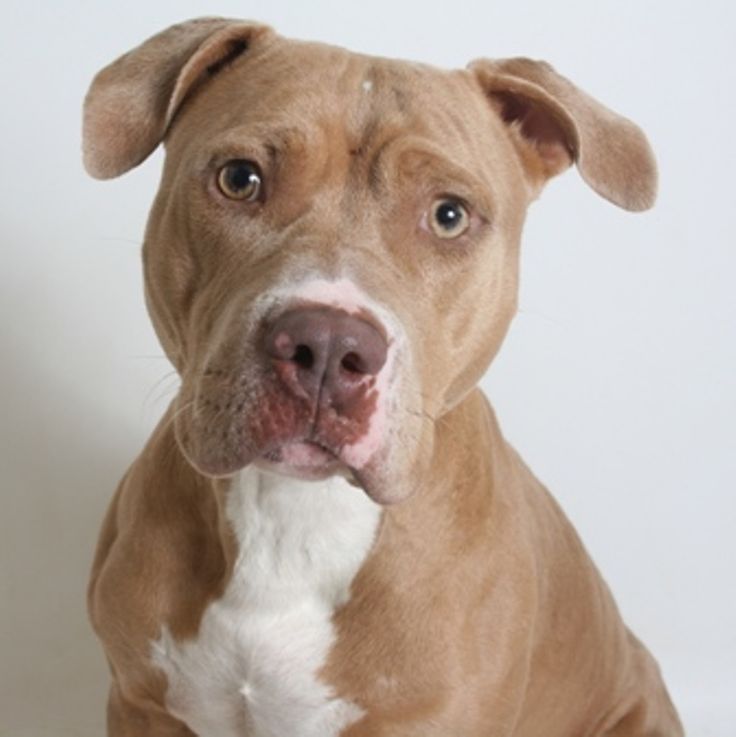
<point x="304" y="459"/>
<point x="281" y="433"/>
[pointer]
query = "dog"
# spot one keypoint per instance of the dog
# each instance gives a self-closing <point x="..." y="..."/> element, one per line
<point x="327" y="533"/>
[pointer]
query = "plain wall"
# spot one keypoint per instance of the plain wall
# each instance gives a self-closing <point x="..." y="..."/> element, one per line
<point x="616" y="383"/>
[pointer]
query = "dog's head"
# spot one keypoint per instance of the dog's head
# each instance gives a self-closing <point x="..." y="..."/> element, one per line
<point x="331" y="260"/>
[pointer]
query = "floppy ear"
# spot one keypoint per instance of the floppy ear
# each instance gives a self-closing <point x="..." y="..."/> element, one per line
<point x="132" y="102"/>
<point x="554" y="124"/>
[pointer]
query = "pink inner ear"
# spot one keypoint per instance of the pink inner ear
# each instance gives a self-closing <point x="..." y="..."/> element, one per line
<point x="539" y="126"/>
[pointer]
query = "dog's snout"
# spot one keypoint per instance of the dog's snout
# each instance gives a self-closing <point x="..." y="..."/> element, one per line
<point x="322" y="351"/>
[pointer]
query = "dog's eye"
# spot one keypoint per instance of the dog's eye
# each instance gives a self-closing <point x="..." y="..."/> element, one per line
<point x="240" y="180"/>
<point x="449" y="218"/>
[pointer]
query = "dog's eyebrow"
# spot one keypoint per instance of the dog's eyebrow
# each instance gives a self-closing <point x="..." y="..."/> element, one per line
<point x="429" y="169"/>
<point x="262" y="136"/>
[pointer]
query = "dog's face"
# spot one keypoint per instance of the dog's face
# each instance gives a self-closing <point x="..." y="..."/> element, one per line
<point x="348" y="166"/>
<point x="331" y="260"/>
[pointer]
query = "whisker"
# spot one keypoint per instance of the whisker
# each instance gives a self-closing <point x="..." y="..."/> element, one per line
<point x="424" y="414"/>
<point x="119" y="239"/>
<point x="175" y="414"/>
<point x="157" y="385"/>
<point x="536" y="314"/>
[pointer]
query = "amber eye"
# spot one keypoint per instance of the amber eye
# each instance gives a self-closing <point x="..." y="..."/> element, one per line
<point x="240" y="180"/>
<point x="449" y="218"/>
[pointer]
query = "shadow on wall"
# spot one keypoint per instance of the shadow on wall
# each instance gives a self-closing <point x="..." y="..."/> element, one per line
<point x="58" y="473"/>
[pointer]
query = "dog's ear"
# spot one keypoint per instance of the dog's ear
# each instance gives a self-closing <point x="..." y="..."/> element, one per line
<point x="132" y="102"/>
<point x="553" y="124"/>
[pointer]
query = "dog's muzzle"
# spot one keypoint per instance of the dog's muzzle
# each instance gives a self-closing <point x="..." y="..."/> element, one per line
<point x="327" y="361"/>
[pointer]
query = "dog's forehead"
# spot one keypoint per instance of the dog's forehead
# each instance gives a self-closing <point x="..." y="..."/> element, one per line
<point x="295" y="84"/>
<point x="332" y="73"/>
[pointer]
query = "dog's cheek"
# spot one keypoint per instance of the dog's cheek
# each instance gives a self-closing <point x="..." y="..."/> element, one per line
<point x="400" y="471"/>
<point x="171" y="277"/>
<point x="473" y="327"/>
<point x="192" y="249"/>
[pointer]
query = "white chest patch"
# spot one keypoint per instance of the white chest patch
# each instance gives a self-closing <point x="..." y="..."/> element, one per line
<point x="252" y="669"/>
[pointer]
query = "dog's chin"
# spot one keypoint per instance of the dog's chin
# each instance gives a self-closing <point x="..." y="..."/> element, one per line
<point x="297" y="457"/>
<point x="302" y="459"/>
<point x="306" y="460"/>
<point x="284" y="442"/>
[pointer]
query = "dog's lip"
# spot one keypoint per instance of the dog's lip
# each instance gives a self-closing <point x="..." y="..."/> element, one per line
<point x="303" y="458"/>
<point x="300" y="453"/>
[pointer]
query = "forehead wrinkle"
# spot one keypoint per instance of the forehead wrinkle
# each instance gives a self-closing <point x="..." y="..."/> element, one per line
<point x="402" y="103"/>
<point x="429" y="168"/>
<point x="380" y="93"/>
<point x="406" y="154"/>
<point x="282" y="137"/>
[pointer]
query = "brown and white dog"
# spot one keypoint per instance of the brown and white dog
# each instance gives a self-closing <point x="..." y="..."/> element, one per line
<point x="327" y="534"/>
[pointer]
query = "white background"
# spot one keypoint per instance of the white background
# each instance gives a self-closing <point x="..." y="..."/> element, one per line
<point x="617" y="382"/>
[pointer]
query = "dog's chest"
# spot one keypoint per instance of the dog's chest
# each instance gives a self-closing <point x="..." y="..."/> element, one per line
<point x="252" y="669"/>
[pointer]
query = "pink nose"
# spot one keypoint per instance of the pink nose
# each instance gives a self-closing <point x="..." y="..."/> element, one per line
<point x="326" y="354"/>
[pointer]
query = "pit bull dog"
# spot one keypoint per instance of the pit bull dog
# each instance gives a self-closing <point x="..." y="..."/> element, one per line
<point x="327" y="533"/>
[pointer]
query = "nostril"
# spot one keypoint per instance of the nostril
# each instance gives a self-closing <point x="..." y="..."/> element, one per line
<point x="303" y="357"/>
<point x="319" y="347"/>
<point x="352" y="364"/>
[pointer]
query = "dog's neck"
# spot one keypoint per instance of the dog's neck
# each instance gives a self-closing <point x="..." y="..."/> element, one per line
<point x="298" y="538"/>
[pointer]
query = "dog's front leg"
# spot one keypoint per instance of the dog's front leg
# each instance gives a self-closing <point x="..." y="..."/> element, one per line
<point x="127" y="719"/>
